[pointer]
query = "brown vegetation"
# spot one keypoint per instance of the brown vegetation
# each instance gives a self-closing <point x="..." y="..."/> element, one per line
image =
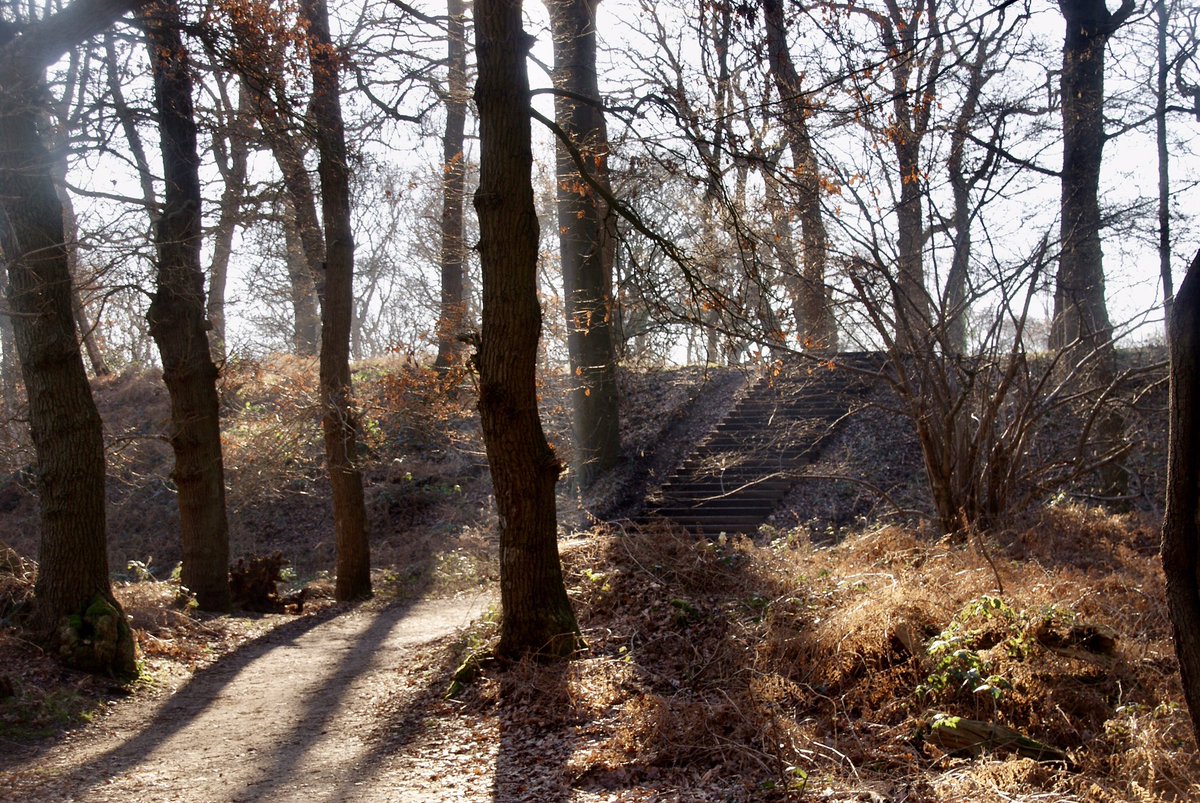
<point x="714" y="669"/>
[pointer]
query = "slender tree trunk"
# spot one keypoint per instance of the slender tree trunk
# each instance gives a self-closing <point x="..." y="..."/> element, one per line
<point x="288" y="151"/>
<point x="814" y="310"/>
<point x="232" y="162"/>
<point x="87" y="332"/>
<point x="178" y="323"/>
<point x="1181" y="522"/>
<point x="64" y="424"/>
<point x="8" y="354"/>
<point x="128" y="120"/>
<point x="340" y="421"/>
<point x="537" y="616"/>
<point x="59" y="123"/>
<point x="586" y="265"/>
<point x="954" y="305"/>
<point x="454" y="175"/>
<point x="1164" y="162"/>
<point x="261" y="76"/>
<point x="306" y="316"/>
<point x="783" y="247"/>
<point x="1080" y="312"/>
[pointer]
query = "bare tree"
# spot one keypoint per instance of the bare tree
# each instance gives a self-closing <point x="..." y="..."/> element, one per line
<point x="231" y="152"/>
<point x="340" y="421"/>
<point x="536" y="614"/>
<point x="585" y="240"/>
<point x="73" y="564"/>
<point x="814" y="306"/>
<point x="178" y="323"/>
<point x="1080" y="312"/>
<point x="454" y="169"/>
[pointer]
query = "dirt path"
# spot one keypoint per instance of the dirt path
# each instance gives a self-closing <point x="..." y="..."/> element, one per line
<point x="287" y="717"/>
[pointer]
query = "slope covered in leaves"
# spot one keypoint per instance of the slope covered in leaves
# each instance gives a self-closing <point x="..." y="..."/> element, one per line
<point x="733" y="670"/>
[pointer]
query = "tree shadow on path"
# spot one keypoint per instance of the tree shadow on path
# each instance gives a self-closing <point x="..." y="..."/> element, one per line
<point x="274" y="705"/>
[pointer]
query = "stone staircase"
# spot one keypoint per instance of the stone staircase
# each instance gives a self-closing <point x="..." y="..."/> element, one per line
<point x="736" y="477"/>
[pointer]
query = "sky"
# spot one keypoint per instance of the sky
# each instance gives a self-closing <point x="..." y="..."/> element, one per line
<point x="1129" y="168"/>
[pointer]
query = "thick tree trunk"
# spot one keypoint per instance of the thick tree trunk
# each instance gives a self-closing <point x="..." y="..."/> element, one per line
<point x="814" y="308"/>
<point x="1181" y="523"/>
<point x="454" y="176"/>
<point x="1080" y="314"/>
<point x="586" y="265"/>
<point x="340" y="422"/>
<point x="64" y="424"/>
<point x="537" y="616"/>
<point x="178" y="323"/>
<point x="1081" y="320"/>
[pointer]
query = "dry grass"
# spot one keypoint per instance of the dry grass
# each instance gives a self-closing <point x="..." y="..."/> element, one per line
<point x="782" y="667"/>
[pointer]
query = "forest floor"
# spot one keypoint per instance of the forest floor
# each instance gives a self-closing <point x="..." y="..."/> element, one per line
<point x="821" y="659"/>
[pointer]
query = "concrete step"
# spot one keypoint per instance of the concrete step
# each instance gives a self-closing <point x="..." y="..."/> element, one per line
<point x="735" y="477"/>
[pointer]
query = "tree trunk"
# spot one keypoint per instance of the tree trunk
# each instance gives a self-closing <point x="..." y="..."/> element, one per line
<point x="8" y="356"/>
<point x="955" y="308"/>
<point x="1181" y="522"/>
<point x="454" y="174"/>
<point x="814" y="310"/>
<point x="586" y="265"/>
<point x="178" y="322"/>
<point x="340" y="421"/>
<point x="64" y="424"/>
<point x="537" y="617"/>
<point x="306" y="315"/>
<point x="232" y="162"/>
<point x="59" y="144"/>
<point x="1080" y="314"/>
<point x="1162" y="19"/>
<point x="261" y="73"/>
<point x="87" y="332"/>
<point x="289" y="156"/>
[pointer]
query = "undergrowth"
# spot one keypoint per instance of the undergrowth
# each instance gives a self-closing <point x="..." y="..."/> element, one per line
<point x="787" y="668"/>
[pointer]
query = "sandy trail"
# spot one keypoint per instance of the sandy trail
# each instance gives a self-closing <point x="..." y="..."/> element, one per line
<point x="287" y="717"/>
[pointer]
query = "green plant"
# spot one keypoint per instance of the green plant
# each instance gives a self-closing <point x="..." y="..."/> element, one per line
<point x="960" y="666"/>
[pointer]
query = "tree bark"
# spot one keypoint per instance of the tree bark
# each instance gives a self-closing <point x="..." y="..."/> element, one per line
<point x="814" y="309"/>
<point x="955" y="307"/>
<point x="536" y="614"/>
<point x="1161" y="21"/>
<point x="306" y="315"/>
<point x="8" y="355"/>
<point x="64" y="424"/>
<point x="1181" y="522"/>
<point x="586" y="262"/>
<point x="1080" y="313"/>
<point x="178" y="322"/>
<point x="340" y="421"/>
<point x="232" y="162"/>
<point x="911" y="108"/>
<point x="454" y="174"/>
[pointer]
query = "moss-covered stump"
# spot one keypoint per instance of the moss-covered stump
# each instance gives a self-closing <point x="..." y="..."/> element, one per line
<point x="98" y="640"/>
